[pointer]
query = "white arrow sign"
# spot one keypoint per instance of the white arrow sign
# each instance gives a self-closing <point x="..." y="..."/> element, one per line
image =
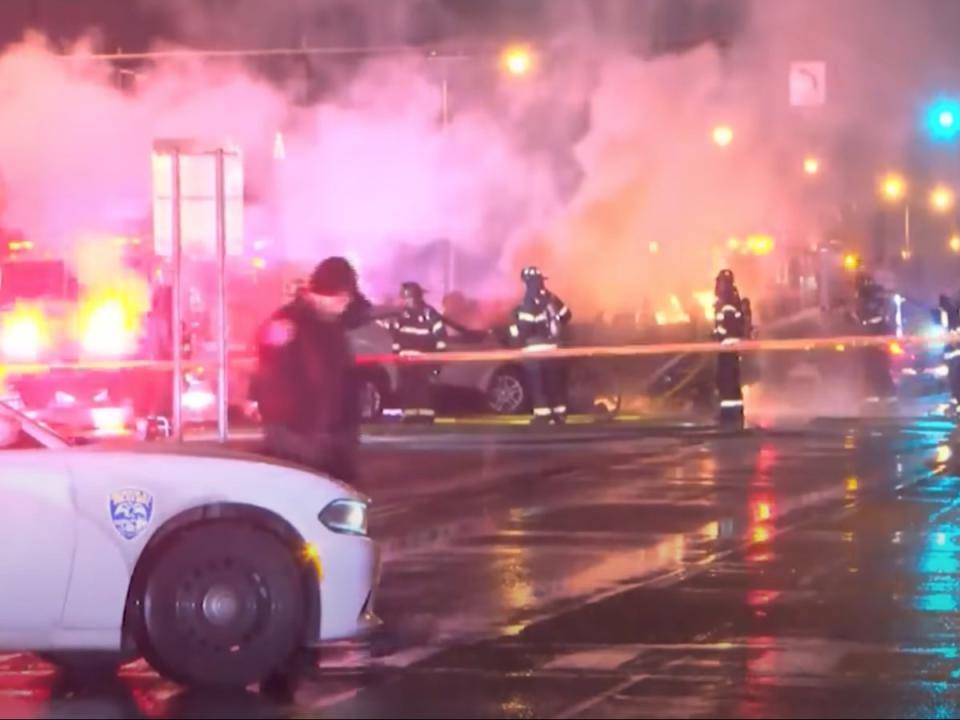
<point x="808" y="84"/>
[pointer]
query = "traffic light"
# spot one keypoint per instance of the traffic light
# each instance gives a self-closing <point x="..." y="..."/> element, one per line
<point x="943" y="120"/>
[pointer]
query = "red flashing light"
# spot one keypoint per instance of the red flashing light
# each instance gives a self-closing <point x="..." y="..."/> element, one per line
<point x="109" y="328"/>
<point x="24" y="333"/>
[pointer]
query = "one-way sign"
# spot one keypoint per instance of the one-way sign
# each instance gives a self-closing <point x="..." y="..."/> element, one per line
<point x="808" y="84"/>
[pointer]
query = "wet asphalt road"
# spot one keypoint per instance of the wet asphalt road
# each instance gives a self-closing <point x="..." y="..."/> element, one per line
<point x="632" y="571"/>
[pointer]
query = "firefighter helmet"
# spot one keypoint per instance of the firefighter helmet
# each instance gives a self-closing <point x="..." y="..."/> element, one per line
<point x="725" y="282"/>
<point x="412" y="290"/>
<point x="531" y="273"/>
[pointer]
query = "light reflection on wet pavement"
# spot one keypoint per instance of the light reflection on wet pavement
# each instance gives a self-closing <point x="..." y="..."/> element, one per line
<point x="791" y="573"/>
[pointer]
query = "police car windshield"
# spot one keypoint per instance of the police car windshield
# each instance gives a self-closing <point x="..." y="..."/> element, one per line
<point x="41" y="432"/>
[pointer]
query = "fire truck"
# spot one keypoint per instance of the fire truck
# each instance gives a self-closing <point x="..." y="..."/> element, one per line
<point x="79" y="357"/>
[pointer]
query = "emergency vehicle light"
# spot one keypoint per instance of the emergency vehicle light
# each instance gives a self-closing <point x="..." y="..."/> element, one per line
<point x="109" y="419"/>
<point x="760" y="244"/>
<point x="762" y="510"/>
<point x="198" y="399"/>
<point x="109" y="328"/>
<point x="23" y="335"/>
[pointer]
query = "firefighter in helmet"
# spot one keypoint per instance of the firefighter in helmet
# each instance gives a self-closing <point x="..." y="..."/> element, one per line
<point x="417" y="330"/>
<point x="872" y="313"/>
<point x="538" y="323"/>
<point x="949" y="316"/>
<point x="730" y="326"/>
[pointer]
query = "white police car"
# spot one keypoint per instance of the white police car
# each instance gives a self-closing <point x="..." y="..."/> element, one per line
<point x="218" y="568"/>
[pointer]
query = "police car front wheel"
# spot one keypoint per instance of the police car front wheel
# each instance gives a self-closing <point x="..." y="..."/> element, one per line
<point x="223" y="607"/>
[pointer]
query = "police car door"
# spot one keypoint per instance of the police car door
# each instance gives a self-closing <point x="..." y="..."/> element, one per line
<point x="37" y="536"/>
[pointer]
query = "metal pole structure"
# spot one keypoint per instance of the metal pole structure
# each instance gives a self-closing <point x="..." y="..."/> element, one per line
<point x="221" y="206"/>
<point x="177" y="304"/>
<point x="906" y="228"/>
<point x="445" y="119"/>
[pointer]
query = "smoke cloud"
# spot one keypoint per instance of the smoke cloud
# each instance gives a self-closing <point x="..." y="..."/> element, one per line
<point x="599" y="165"/>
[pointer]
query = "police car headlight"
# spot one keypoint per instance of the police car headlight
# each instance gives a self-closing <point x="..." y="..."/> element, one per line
<point x="345" y="516"/>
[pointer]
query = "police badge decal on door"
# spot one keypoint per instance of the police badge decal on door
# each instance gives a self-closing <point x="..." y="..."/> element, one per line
<point x="131" y="512"/>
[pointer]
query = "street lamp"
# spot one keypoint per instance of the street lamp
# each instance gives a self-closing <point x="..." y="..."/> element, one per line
<point x="811" y="166"/>
<point x="941" y="199"/>
<point x="955" y="243"/>
<point x="517" y="60"/>
<point x="723" y="135"/>
<point x="893" y="188"/>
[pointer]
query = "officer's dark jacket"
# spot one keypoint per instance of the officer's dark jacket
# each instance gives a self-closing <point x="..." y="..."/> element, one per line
<point x="418" y="330"/>
<point x="359" y="312"/>
<point x="539" y="320"/>
<point x="305" y="381"/>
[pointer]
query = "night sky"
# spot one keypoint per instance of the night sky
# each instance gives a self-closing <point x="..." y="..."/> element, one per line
<point x="135" y="25"/>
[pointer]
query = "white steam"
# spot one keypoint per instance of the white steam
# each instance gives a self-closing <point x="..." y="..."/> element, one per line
<point x="578" y="167"/>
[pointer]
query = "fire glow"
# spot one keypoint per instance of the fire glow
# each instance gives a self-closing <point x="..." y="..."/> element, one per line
<point x="673" y="313"/>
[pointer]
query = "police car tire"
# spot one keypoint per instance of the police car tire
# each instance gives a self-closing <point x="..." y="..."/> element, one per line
<point x="179" y="638"/>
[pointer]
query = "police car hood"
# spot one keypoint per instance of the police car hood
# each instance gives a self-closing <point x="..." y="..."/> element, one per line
<point x="186" y="453"/>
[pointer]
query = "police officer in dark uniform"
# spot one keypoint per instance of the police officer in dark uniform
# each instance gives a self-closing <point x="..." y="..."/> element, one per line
<point x="730" y="326"/>
<point x="418" y="329"/>
<point x="872" y="313"/>
<point x="304" y="385"/>
<point x="538" y="323"/>
<point x="949" y="315"/>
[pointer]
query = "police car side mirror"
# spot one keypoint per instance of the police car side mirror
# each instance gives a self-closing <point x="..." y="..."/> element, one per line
<point x="9" y="431"/>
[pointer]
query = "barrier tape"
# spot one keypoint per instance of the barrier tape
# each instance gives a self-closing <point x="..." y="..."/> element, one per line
<point x="506" y="355"/>
<point x="741" y="346"/>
